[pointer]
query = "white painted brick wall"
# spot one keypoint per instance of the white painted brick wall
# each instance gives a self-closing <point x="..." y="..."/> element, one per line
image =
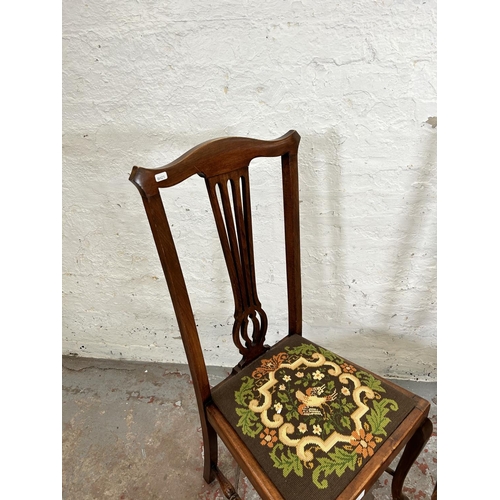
<point x="143" y="81"/>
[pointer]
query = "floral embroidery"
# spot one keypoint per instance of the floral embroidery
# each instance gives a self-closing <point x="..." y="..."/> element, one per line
<point x="317" y="429"/>
<point x="269" y="365"/>
<point x="268" y="437"/>
<point x="326" y="419"/>
<point x="347" y="368"/>
<point x="364" y="442"/>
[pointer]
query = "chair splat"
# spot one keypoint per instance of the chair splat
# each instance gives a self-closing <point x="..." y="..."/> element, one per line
<point x="229" y="195"/>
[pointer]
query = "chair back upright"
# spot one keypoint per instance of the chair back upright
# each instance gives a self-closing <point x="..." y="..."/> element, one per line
<point x="224" y="164"/>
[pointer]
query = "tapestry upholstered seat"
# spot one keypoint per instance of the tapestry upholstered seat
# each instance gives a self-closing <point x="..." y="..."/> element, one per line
<point x="311" y="418"/>
<point x="301" y="421"/>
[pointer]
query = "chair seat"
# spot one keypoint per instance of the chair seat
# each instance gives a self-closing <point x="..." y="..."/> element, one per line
<point x="311" y="418"/>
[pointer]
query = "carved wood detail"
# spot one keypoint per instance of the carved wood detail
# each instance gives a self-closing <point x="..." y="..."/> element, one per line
<point x="226" y="487"/>
<point x="229" y="195"/>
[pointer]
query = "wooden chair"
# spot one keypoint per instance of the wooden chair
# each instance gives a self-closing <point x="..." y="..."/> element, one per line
<point x="301" y="421"/>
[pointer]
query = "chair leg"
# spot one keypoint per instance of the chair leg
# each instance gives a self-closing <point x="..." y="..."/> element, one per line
<point x="211" y="452"/>
<point x="226" y="487"/>
<point x="412" y="450"/>
<point x="435" y="492"/>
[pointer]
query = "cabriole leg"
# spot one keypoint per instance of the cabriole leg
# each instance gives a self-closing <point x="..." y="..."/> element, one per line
<point x="226" y="487"/>
<point x="412" y="450"/>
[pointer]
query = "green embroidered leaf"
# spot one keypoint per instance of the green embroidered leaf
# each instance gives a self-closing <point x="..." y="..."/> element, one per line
<point x="336" y="462"/>
<point x="327" y="354"/>
<point x="343" y="460"/>
<point x="377" y="416"/>
<point x="292" y="415"/>
<point x="308" y="350"/>
<point x="303" y="349"/>
<point x="370" y="381"/>
<point x="283" y="397"/>
<point x="326" y="466"/>
<point x="346" y="421"/>
<point x="348" y="408"/>
<point x="328" y="427"/>
<point x="330" y="356"/>
<point x="288" y="461"/>
<point x="245" y="393"/>
<point x="249" y="422"/>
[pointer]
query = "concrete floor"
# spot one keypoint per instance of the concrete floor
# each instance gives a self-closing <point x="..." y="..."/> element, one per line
<point x="131" y="431"/>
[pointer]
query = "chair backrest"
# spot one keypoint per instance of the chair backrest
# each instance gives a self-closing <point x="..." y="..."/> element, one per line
<point x="224" y="163"/>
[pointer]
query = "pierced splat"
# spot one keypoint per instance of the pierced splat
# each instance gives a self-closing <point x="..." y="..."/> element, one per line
<point x="230" y="199"/>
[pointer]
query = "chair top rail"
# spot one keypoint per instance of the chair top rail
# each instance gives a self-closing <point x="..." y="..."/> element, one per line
<point x="214" y="157"/>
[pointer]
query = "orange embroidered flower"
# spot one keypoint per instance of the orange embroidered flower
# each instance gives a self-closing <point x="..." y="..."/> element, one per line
<point x="268" y="437"/>
<point x="364" y="442"/>
<point x="269" y="365"/>
<point x="348" y="368"/>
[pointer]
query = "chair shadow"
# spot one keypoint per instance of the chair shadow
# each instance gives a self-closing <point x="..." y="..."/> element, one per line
<point x="324" y="274"/>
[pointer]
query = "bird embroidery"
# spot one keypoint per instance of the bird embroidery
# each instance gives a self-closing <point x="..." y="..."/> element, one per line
<point x="312" y="401"/>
